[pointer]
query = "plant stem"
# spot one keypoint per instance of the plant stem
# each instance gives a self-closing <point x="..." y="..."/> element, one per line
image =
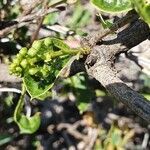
<point x="20" y="104"/>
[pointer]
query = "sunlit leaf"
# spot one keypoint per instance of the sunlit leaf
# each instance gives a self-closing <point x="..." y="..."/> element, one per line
<point x="29" y="125"/>
<point x="143" y="8"/>
<point x="113" y="6"/>
<point x="39" y="86"/>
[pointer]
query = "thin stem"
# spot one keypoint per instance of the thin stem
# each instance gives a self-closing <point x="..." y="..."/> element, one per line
<point x="35" y="34"/>
<point x="62" y="52"/>
<point x="14" y="90"/>
<point x="20" y="104"/>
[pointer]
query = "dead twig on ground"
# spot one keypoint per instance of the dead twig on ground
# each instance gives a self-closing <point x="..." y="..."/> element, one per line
<point x="92" y="137"/>
<point x="72" y="131"/>
<point x="24" y="20"/>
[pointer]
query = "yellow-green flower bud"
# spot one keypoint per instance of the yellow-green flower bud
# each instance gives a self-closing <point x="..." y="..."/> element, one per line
<point x="47" y="41"/>
<point x="47" y="57"/>
<point x="37" y="44"/>
<point x="44" y="72"/>
<point x="32" y="61"/>
<point x="18" y="69"/>
<point x="12" y="68"/>
<point x="19" y="57"/>
<point x="33" y="71"/>
<point x="23" y="51"/>
<point x="24" y="63"/>
<point x="32" y="52"/>
<point x="16" y="61"/>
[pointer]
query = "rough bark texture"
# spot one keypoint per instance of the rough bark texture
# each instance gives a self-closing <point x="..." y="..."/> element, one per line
<point x="137" y="103"/>
<point x="100" y="65"/>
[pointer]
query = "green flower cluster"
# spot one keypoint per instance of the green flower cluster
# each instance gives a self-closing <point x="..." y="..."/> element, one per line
<point x="38" y="59"/>
<point x="42" y="58"/>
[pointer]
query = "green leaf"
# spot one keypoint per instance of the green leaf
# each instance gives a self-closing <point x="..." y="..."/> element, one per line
<point x="76" y="16"/>
<point x="143" y="8"/>
<point x="5" y="138"/>
<point x="81" y="90"/>
<point x="51" y="18"/>
<point x="80" y="18"/>
<point x="147" y="96"/>
<point x="39" y="86"/>
<point x="116" y="137"/>
<point x="61" y="45"/>
<point x="100" y="93"/>
<point x="112" y="6"/>
<point x="45" y="95"/>
<point x="83" y="107"/>
<point x="27" y="125"/>
<point x="105" y="23"/>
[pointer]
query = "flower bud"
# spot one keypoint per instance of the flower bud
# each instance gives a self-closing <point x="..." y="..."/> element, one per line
<point x="44" y="72"/>
<point x="16" y="61"/>
<point x="18" y="69"/>
<point x="19" y="57"/>
<point x="37" y="44"/>
<point x="32" y="52"/>
<point x="47" y="57"/>
<point x="32" y="61"/>
<point x="33" y="71"/>
<point x="12" y="68"/>
<point x="23" y="51"/>
<point x="24" y="63"/>
<point x="47" y="41"/>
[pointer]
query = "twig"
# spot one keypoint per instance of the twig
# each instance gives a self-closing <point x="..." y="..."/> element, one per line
<point x="14" y="90"/>
<point x="65" y="134"/>
<point x="22" y="21"/>
<point x="145" y="141"/>
<point x="57" y="2"/>
<point x="59" y="29"/>
<point x="67" y="139"/>
<point x="93" y="39"/>
<point x="28" y="6"/>
<point x="42" y="12"/>
<point x="35" y="34"/>
<point x="92" y="140"/>
<point x="71" y="130"/>
<point x="6" y="24"/>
